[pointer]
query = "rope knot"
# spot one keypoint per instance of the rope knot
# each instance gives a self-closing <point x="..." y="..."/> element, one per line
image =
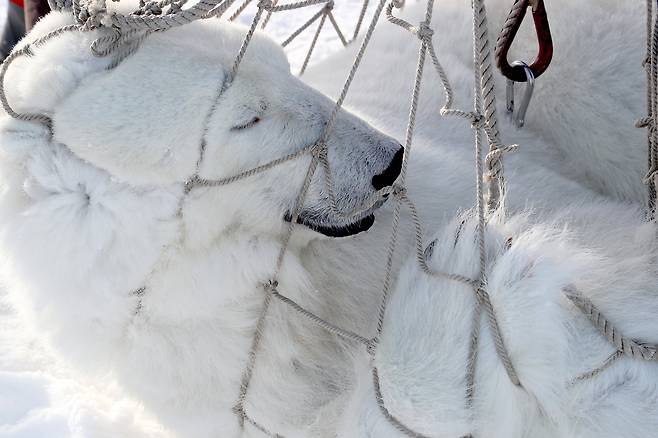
<point x="480" y="293"/>
<point x="319" y="150"/>
<point x="371" y="346"/>
<point x="91" y="14"/>
<point x="477" y="121"/>
<point x="646" y="62"/>
<point x="89" y="21"/>
<point x="175" y="7"/>
<point x="265" y="4"/>
<point x="494" y="162"/>
<point x="149" y="8"/>
<point x="329" y="6"/>
<point x="238" y="410"/>
<point x="27" y="50"/>
<point x="399" y="191"/>
<point x="191" y="183"/>
<point x="270" y="286"/>
<point x="644" y="122"/>
<point x="424" y="31"/>
<point x="651" y="174"/>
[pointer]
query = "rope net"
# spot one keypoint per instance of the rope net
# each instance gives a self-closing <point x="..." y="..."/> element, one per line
<point x="126" y="33"/>
<point x="650" y="122"/>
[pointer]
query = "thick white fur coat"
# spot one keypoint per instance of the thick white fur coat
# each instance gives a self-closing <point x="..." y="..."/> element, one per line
<point x="128" y="280"/>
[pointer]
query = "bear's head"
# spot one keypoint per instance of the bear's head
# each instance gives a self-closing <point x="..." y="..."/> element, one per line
<point x="169" y="112"/>
<point x="92" y="209"/>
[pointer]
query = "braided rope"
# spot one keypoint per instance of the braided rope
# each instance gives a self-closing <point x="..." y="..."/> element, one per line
<point x="219" y="10"/>
<point x="198" y="181"/>
<point x="243" y="414"/>
<point x="598" y="370"/>
<point x="346" y="334"/>
<point x="241" y="9"/>
<point x="268" y="16"/>
<point x="271" y="286"/>
<point x="359" y="21"/>
<point x="296" y="5"/>
<point x="322" y="14"/>
<point x="159" y="23"/>
<point x="650" y="122"/>
<point x="130" y="46"/>
<point x="629" y="347"/>
<point x="487" y="91"/>
<point x="398" y="205"/>
<point x="471" y="365"/>
<point x="485" y="98"/>
<point x="421" y="257"/>
<point x="386" y="289"/>
<point x="314" y="41"/>
<point x="106" y="45"/>
<point x="653" y="114"/>
<point x="26" y="50"/>
<point x="352" y="73"/>
<point x="399" y="425"/>
<point x="424" y="33"/>
<point x="486" y="87"/>
<point x="332" y="19"/>
<point x="303" y="27"/>
<point x="518" y="8"/>
<point x="262" y="4"/>
<point x="248" y="372"/>
<point x="488" y="120"/>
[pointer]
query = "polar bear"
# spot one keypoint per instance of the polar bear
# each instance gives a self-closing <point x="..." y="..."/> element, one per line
<point x="604" y="247"/>
<point x="155" y="261"/>
<point x="127" y="281"/>
<point x="573" y="382"/>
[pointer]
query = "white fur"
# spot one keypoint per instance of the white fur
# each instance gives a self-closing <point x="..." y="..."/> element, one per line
<point x="427" y="331"/>
<point x="90" y="217"/>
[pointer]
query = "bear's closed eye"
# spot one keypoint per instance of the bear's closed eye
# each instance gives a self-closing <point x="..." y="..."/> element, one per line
<point x="249" y="124"/>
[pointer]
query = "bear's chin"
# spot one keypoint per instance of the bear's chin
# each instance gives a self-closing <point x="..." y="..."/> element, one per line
<point x="330" y="230"/>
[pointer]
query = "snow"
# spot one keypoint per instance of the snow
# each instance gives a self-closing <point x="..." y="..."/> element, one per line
<point x="284" y="23"/>
<point x="41" y="398"/>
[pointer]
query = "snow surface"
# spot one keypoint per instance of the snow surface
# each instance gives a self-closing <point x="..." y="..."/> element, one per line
<point x="39" y="397"/>
<point x="284" y="23"/>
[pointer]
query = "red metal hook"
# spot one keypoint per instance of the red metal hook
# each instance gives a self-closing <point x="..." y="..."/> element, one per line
<point x="506" y="38"/>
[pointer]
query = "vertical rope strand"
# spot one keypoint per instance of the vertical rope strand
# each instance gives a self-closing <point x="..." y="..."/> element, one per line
<point x="240" y="10"/>
<point x="650" y="122"/>
<point x="484" y="98"/>
<point x="484" y="63"/>
<point x="268" y="17"/>
<point x="350" y="77"/>
<point x="323" y="18"/>
<point x="337" y="28"/>
<point x="359" y="21"/>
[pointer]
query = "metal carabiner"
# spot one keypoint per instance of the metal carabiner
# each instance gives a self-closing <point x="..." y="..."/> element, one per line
<point x="507" y="34"/>
<point x="527" y="95"/>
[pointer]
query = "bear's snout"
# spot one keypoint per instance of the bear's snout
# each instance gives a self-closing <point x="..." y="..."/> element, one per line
<point x="391" y="173"/>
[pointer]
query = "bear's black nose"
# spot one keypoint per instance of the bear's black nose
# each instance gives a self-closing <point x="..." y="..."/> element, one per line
<point x="388" y="176"/>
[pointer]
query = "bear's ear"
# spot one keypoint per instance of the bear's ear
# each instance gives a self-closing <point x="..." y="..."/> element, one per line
<point x="143" y="121"/>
